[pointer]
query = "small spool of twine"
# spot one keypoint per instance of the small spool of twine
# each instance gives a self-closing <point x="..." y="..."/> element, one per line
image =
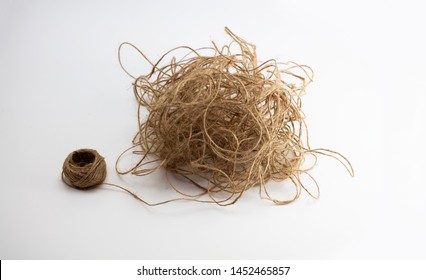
<point x="84" y="169"/>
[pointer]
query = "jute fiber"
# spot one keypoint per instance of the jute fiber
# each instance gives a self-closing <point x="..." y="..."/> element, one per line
<point x="220" y="120"/>
<point x="225" y="122"/>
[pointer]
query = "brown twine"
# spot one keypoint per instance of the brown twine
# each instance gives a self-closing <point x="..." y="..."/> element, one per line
<point x="83" y="169"/>
<point x="222" y="121"/>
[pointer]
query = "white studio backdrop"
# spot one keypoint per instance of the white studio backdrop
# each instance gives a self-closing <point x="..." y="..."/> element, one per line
<point x="63" y="89"/>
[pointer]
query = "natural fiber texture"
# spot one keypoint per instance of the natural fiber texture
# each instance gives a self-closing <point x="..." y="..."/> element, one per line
<point x="83" y="169"/>
<point x="225" y="122"/>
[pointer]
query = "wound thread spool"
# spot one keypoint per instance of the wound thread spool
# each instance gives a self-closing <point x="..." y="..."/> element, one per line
<point x="84" y="169"/>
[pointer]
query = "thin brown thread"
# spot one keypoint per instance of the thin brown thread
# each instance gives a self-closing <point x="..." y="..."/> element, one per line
<point x="223" y="119"/>
<point x="83" y="169"/>
<point x="223" y="122"/>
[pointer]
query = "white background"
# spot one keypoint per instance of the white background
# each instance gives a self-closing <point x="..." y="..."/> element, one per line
<point x="61" y="88"/>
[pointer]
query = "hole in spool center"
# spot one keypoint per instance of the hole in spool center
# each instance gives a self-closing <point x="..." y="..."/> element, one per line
<point x="82" y="158"/>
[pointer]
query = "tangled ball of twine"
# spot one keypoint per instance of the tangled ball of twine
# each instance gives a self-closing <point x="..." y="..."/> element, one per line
<point x="83" y="169"/>
<point x="225" y="122"/>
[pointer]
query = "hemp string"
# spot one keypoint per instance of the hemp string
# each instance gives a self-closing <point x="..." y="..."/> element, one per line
<point x="224" y="122"/>
<point x="85" y="169"/>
